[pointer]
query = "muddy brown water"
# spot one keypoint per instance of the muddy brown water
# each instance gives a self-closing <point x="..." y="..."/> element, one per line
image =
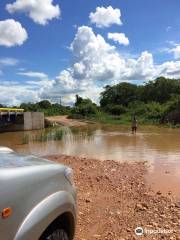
<point x="160" y="147"/>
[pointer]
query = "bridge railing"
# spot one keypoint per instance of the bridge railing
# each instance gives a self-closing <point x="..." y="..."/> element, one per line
<point x="10" y="115"/>
<point x="11" y="110"/>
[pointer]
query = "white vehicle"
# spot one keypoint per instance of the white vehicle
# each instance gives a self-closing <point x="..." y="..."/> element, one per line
<point x="37" y="198"/>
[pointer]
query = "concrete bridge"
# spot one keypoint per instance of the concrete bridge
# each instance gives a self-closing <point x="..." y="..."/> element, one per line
<point x="12" y="119"/>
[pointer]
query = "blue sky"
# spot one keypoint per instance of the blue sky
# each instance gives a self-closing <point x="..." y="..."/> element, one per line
<point x="43" y="53"/>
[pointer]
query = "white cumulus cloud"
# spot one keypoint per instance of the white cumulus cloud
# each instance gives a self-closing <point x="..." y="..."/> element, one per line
<point x="97" y="60"/>
<point x="97" y="63"/>
<point x="169" y="69"/>
<point x="12" y="33"/>
<point x="94" y="64"/>
<point x="14" y="94"/>
<point x="119" y="37"/>
<point x="176" y="52"/>
<point x="105" y="17"/>
<point x="40" y="11"/>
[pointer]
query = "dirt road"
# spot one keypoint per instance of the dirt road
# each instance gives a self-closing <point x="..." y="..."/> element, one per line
<point x="114" y="199"/>
<point x="63" y="120"/>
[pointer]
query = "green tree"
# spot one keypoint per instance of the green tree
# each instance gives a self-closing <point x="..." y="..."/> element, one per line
<point x="160" y="90"/>
<point x="115" y="109"/>
<point x="122" y="93"/>
<point x="45" y="104"/>
<point x="78" y="100"/>
<point x="32" y="107"/>
<point x="172" y="111"/>
<point x="83" y="107"/>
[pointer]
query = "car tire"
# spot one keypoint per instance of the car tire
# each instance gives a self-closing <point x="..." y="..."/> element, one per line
<point x="57" y="234"/>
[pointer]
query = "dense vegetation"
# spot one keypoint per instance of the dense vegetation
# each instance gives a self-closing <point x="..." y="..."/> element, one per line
<point x="48" y="108"/>
<point x="155" y="102"/>
<point x="44" y="106"/>
<point x="83" y="108"/>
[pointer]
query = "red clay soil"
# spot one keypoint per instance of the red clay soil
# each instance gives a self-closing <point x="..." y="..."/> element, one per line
<point x="114" y="199"/>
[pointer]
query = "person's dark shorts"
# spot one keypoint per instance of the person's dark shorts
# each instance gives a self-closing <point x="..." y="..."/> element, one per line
<point x="134" y="128"/>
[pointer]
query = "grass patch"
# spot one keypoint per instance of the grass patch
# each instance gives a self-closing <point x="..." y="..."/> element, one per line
<point x="105" y="118"/>
<point x="53" y="135"/>
<point x="56" y="135"/>
<point x="25" y="139"/>
<point x="59" y="134"/>
<point x="43" y="137"/>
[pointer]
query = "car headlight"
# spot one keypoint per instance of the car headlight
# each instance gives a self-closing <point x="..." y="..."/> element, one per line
<point x="69" y="175"/>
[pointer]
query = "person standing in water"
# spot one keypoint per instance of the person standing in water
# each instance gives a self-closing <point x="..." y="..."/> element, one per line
<point x="134" y="125"/>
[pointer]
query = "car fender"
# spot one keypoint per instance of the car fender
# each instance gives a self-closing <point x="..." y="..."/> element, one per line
<point x="43" y="214"/>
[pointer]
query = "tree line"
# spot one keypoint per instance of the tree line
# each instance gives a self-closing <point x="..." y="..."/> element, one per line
<point x="156" y="101"/>
<point x="45" y="106"/>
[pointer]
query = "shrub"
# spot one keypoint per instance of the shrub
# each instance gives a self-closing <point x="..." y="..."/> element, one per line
<point x="154" y="111"/>
<point x="115" y="109"/>
<point x="171" y="112"/>
<point x="84" y="109"/>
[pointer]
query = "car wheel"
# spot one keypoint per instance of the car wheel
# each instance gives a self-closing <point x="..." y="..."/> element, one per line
<point x="58" y="234"/>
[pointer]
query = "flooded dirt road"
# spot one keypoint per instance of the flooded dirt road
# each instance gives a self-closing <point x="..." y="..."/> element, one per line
<point x="160" y="147"/>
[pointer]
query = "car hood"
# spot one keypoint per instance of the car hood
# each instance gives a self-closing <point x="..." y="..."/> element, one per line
<point x="10" y="159"/>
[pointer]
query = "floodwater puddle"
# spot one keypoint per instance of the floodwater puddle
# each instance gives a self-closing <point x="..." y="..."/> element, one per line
<point x="160" y="147"/>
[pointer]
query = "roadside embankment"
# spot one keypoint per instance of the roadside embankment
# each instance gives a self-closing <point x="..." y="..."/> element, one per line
<point x="114" y="199"/>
